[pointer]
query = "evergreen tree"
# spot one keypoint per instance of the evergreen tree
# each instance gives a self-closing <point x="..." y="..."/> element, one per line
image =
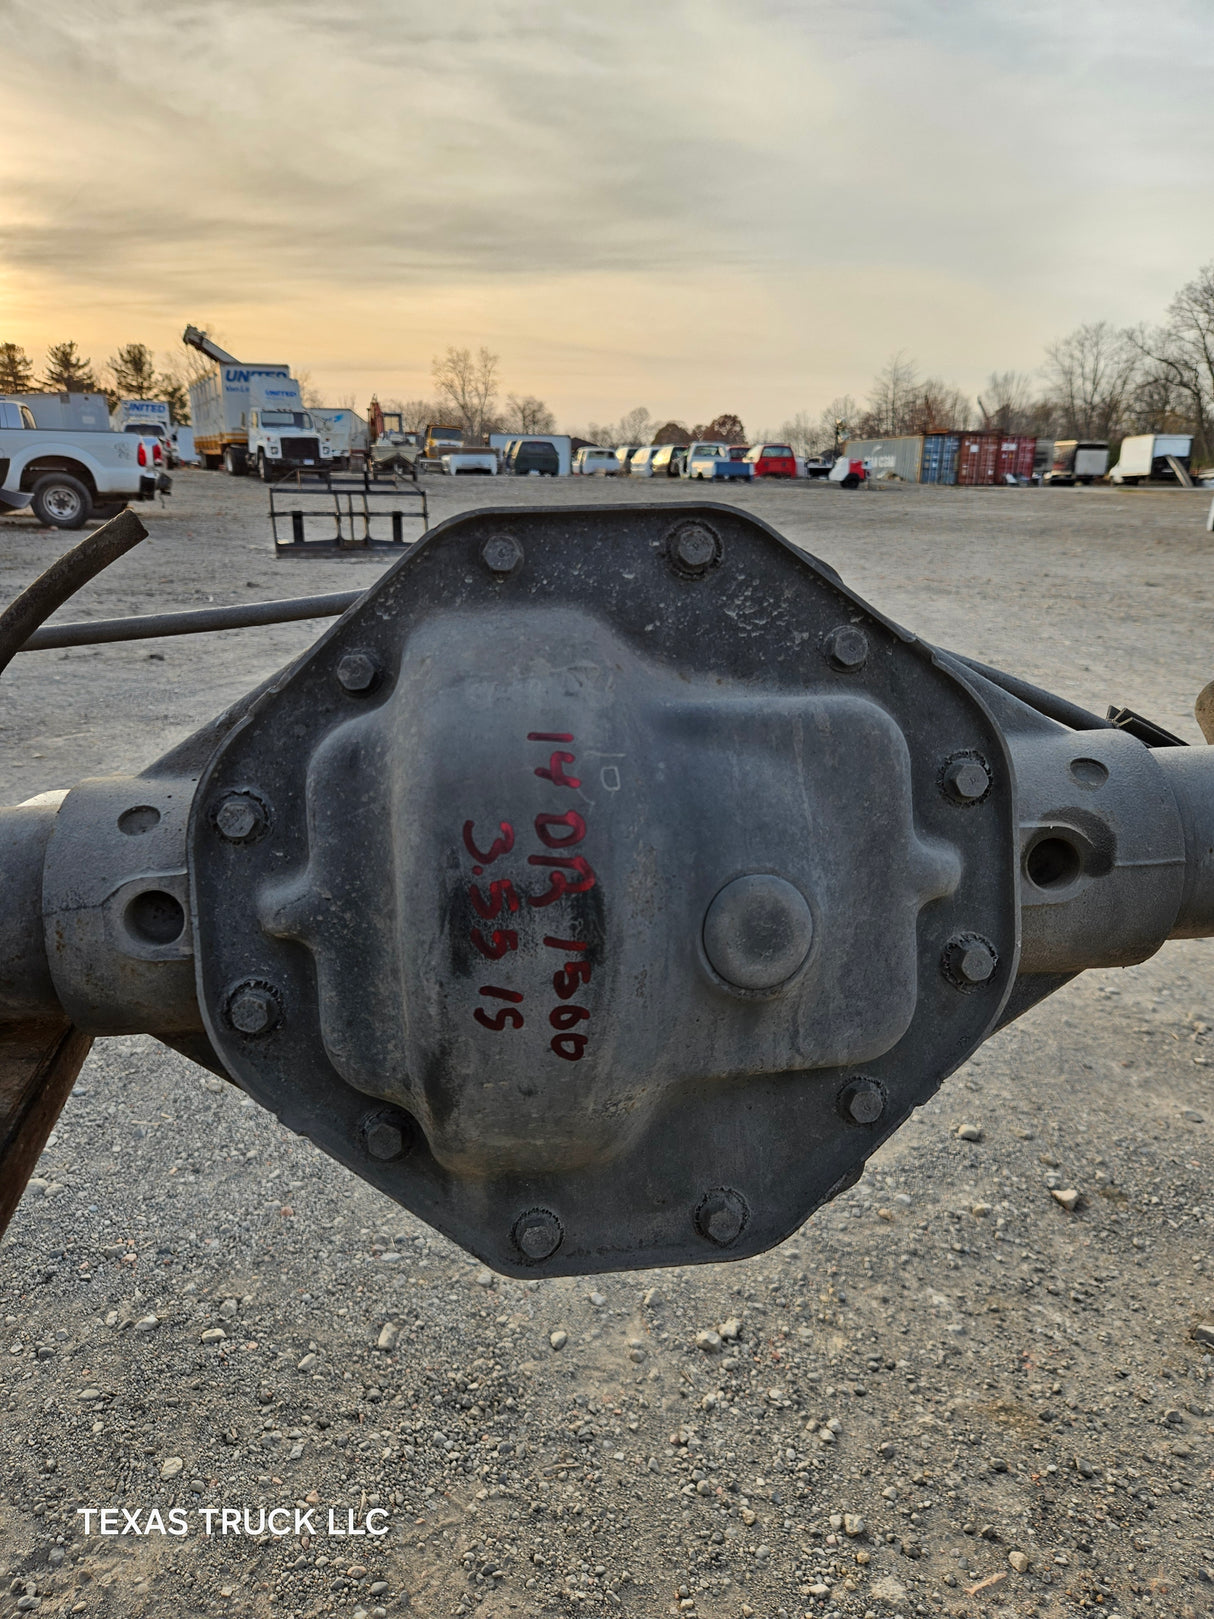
<point x="16" y="372"/>
<point x="134" y="372"/>
<point x="67" y="371"/>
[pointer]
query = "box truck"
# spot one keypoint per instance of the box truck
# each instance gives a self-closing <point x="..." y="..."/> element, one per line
<point x="251" y="417"/>
<point x="1162" y="456"/>
<point x="1078" y="461"/>
<point x="149" y="417"/>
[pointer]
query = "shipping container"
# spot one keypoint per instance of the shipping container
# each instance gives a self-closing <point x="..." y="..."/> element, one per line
<point x="888" y="457"/>
<point x="940" y="458"/>
<point x="977" y="458"/>
<point x="1015" y="459"/>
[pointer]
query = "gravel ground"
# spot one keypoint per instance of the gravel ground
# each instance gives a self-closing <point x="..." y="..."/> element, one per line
<point x="949" y="1393"/>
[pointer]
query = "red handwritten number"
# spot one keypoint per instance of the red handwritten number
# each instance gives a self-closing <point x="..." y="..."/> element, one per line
<point x="503" y="939"/>
<point x="491" y="907"/>
<point x="550" y="736"/>
<point x="506" y="1017"/>
<point x="555" y="773"/>
<point x="501" y="846"/>
<point x="546" y="829"/>
<point x="570" y="976"/>
<point x="565" y="944"/>
<point x="559" y="883"/>
<point x="565" y="1018"/>
<point x="497" y="994"/>
<point x="570" y="1046"/>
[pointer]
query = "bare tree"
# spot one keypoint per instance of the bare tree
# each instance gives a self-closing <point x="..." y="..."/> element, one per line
<point x="893" y="398"/>
<point x="1006" y="402"/>
<point x="527" y="414"/>
<point x="1176" y="366"/>
<point x="467" y="387"/>
<point x="671" y="433"/>
<point x="1092" y="372"/>
<point x="836" y="424"/>
<point x="634" y="426"/>
<point x="802" y="435"/>
<point x="415" y="414"/>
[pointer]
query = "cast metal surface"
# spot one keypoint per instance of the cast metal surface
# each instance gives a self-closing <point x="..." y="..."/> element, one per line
<point x="631" y="860"/>
<point x="604" y="886"/>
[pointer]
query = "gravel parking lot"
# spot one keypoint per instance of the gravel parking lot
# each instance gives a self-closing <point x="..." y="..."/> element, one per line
<point x="947" y="1394"/>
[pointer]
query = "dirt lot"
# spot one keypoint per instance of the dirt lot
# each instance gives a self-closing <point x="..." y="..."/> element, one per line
<point x="945" y="1395"/>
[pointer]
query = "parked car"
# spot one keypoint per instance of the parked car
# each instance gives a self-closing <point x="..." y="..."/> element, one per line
<point x="698" y="462"/>
<point x="467" y="460"/>
<point x="592" y="461"/>
<point x="772" y="460"/>
<point x="668" y="460"/>
<point x="641" y="464"/>
<point x="624" y="454"/>
<point x="524" y="456"/>
<point x="849" y="474"/>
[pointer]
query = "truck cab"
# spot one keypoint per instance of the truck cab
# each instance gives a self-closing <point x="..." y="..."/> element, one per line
<point x="283" y="437"/>
<point x="441" y="440"/>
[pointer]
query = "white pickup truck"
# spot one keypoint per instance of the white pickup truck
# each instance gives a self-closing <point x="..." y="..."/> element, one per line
<point x="69" y="476"/>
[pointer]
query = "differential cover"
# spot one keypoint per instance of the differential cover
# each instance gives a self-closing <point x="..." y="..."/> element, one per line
<point x="605" y="886"/>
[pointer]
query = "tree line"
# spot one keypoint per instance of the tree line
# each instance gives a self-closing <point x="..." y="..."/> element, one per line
<point x="131" y="373"/>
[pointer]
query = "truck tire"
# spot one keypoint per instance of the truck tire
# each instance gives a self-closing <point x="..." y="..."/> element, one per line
<point x="61" y="501"/>
<point x="262" y="473"/>
<point x="235" y="462"/>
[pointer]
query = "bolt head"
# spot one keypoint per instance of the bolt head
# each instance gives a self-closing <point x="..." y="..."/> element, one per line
<point x="862" y="1101"/>
<point x="977" y="963"/>
<point x="694" y="548"/>
<point x="240" y="817"/>
<point x="538" y="1234"/>
<point x="502" y="554"/>
<point x="252" y="1010"/>
<point x="385" y="1139"/>
<point x="969" y="960"/>
<point x="846" y="647"/>
<point x="967" y="779"/>
<point x="357" y="672"/>
<point x="721" y="1216"/>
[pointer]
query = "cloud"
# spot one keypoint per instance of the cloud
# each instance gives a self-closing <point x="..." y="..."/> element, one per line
<point x="791" y="190"/>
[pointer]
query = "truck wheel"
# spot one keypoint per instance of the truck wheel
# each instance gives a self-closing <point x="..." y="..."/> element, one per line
<point x="61" y="501"/>
<point x="234" y="461"/>
<point x="261" y="466"/>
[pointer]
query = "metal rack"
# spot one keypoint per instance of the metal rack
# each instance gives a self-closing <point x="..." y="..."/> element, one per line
<point x="327" y="513"/>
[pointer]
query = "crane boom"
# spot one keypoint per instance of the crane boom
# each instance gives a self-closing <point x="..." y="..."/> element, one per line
<point x="199" y="340"/>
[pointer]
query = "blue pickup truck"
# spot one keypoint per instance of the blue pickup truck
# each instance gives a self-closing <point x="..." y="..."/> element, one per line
<point x="717" y="461"/>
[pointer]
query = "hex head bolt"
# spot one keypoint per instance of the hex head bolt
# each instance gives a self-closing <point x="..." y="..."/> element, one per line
<point x="966" y="779"/>
<point x="969" y="960"/>
<point x="357" y="672"/>
<point x="846" y="647"/>
<point x="387" y="1136"/>
<point x="721" y="1216"/>
<point x="502" y="554"/>
<point x="240" y="817"/>
<point x="253" y="1009"/>
<point x="862" y="1101"/>
<point x="537" y="1234"/>
<point x="693" y="549"/>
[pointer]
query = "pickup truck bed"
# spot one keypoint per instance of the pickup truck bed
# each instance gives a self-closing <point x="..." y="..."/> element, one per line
<point x="71" y="475"/>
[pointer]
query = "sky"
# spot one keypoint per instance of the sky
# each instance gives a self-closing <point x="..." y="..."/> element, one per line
<point x="691" y="205"/>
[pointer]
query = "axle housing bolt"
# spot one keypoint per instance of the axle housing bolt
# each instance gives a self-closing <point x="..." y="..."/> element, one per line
<point x="721" y="1216"/>
<point x="253" y="1009"/>
<point x="846" y="647"/>
<point x="694" y="548"/>
<point x="969" y="960"/>
<point x="538" y="1234"/>
<point x="966" y="779"/>
<point x="502" y="554"/>
<point x="862" y="1101"/>
<point x="387" y="1135"/>
<point x="357" y="672"/>
<point x="240" y="817"/>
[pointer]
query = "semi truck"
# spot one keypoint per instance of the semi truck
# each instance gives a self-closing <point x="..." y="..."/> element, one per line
<point x="251" y="417"/>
